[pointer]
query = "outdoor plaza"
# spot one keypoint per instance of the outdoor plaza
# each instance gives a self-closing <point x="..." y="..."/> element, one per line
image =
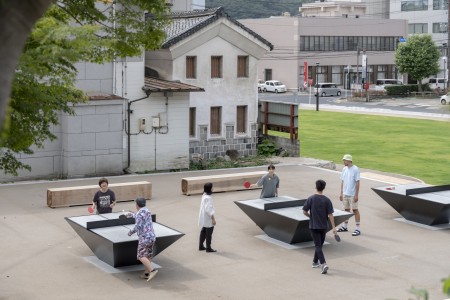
<point x="44" y="258"/>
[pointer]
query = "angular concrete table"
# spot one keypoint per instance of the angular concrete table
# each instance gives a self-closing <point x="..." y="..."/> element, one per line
<point x="282" y="218"/>
<point x="429" y="205"/>
<point x="107" y="236"/>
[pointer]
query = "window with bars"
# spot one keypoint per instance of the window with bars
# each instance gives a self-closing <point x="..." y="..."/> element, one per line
<point x="216" y="120"/>
<point x="216" y="66"/>
<point x="192" y="121"/>
<point x="242" y="66"/>
<point x="191" y="66"/>
<point x="241" y="119"/>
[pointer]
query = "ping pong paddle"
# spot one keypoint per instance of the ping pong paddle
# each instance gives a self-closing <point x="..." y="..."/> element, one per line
<point x="247" y="184"/>
<point x="90" y="209"/>
<point x="337" y="237"/>
<point x="122" y="217"/>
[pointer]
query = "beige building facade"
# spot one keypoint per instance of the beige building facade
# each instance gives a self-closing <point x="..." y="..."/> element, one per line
<point x="331" y="49"/>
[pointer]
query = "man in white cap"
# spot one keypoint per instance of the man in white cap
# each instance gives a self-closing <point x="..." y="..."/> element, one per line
<point x="350" y="179"/>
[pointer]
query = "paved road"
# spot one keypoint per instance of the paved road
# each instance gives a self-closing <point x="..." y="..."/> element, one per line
<point x="412" y="107"/>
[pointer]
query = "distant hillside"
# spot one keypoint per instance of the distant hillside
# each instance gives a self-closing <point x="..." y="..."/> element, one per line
<point x="253" y="9"/>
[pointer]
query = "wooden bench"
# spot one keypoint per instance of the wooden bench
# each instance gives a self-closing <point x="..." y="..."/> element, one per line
<point x="221" y="183"/>
<point x="81" y="195"/>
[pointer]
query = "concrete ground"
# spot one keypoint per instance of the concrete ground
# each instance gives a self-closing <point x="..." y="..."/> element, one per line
<point x="43" y="258"/>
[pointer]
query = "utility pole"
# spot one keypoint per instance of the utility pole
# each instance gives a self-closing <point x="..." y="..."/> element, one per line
<point x="448" y="44"/>
<point x="357" y="65"/>
<point x="364" y="80"/>
<point x="317" y="86"/>
<point x="367" y="79"/>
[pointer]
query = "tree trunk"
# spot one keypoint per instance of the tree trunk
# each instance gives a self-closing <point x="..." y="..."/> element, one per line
<point x="17" y="19"/>
<point x="419" y="86"/>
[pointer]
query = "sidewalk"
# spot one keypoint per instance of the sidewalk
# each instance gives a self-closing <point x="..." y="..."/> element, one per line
<point x="438" y="116"/>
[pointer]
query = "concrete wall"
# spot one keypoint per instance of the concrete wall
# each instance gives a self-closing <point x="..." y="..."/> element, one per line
<point x="123" y="77"/>
<point x="88" y="143"/>
<point x="162" y="148"/>
<point x="352" y="27"/>
<point x="92" y="142"/>
<point x="96" y="78"/>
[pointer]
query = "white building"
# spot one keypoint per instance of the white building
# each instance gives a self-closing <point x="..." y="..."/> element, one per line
<point x="372" y="9"/>
<point x="337" y="8"/>
<point x="210" y="50"/>
<point x="425" y="16"/>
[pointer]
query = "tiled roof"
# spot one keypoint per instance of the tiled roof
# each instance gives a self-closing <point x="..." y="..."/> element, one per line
<point x="152" y="84"/>
<point x="187" y="23"/>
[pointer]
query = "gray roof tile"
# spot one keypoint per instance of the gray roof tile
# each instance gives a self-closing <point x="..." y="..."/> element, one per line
<point x="187" y="23"/>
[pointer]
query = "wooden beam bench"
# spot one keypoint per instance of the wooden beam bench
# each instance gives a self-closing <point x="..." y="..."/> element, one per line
<point x="221" y="183"/>
<point x="81" y="195"/>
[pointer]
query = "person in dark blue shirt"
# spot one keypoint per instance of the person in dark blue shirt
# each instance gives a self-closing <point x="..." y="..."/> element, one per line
<point x="319" y="209"/>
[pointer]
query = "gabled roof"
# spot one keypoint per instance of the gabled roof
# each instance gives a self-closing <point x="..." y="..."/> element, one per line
<point x="187" y="23"/>
<point x="153" y="85"/>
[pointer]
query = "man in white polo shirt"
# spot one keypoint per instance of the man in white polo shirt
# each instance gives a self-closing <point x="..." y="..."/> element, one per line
<point x="350" y="179"/>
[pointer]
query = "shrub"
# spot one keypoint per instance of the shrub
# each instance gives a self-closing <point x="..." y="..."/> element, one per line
<point x="267" y="148"/>
<point x="401" y="89"/>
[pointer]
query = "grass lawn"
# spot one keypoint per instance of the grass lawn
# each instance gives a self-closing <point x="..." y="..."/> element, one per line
<point x="413" y="147"/>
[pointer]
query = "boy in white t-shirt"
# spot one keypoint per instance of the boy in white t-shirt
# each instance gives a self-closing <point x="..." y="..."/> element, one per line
<point x="349" y="195"/>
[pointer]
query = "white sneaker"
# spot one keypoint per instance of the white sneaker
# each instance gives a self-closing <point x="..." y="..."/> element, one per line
<point x="152" y="274"/>
<point x="324" y="269"/>
<point x="315" y="265"/>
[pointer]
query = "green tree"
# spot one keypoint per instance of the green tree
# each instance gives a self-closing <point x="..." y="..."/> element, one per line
<point x="44" y="78"/>
<point x="418" y="57"/>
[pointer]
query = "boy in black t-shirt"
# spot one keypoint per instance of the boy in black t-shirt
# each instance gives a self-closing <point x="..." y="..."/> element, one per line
<point x="104" y="199"/>
<point x="319" y="209"/>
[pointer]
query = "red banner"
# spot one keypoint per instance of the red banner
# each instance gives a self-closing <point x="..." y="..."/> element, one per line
<point x="305" y="74"/>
